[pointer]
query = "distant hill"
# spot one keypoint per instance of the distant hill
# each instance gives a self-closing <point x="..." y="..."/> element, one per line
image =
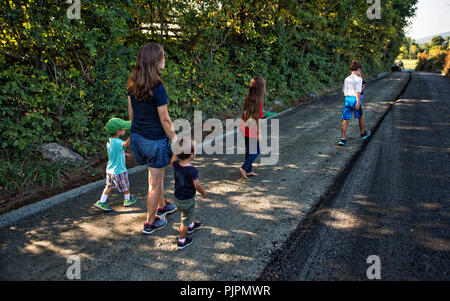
<point x="428" y="39"/>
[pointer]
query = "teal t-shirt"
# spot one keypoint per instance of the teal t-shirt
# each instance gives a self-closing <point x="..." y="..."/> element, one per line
<point x="116" y="156"/>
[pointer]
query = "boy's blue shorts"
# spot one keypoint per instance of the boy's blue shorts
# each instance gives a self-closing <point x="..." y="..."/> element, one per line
<point x="349" y="107"/>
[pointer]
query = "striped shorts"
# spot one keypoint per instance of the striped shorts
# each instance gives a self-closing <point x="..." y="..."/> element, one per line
<point x="119" y="181"/>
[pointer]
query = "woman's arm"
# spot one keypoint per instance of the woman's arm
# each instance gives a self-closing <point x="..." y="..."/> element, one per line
<point x="166" y="122"/>
<point x="130" y="109"/>
<point x="126" y="143"/>
<point x="130" y="114"/>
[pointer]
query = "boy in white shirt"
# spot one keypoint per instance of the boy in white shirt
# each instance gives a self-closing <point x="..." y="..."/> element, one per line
<point x="353" y="86"/>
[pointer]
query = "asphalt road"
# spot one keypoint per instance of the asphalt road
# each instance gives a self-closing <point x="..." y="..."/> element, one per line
<point x="394" y="203"/>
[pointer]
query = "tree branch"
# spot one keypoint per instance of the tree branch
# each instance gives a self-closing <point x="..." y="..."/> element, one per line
<point x="15" y="56"/>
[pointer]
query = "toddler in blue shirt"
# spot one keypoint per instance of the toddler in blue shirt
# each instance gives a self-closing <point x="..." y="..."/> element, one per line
<point x="116" y="170"/>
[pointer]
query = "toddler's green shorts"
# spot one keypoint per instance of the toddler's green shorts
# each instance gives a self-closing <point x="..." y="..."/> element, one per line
<point x="186" y="208"/>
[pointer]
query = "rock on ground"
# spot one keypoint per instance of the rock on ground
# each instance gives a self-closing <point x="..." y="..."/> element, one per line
<point x="57" y="153"/>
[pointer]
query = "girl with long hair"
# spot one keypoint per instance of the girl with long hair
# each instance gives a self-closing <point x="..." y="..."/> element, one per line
<point x="250" y="126"/>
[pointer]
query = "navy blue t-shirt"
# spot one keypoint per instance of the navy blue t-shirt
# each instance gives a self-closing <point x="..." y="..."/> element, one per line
<point x="184" y="177"/>
<point x="145" y="115"/>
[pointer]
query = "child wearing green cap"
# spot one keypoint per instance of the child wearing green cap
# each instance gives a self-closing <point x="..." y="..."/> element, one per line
<point x="116" y="169"/>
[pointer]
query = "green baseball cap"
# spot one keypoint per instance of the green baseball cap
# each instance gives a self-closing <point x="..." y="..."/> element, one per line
<point x="116" y="124"/>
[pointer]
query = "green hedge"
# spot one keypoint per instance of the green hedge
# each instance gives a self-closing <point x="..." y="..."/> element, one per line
<point x="63" y="79"/>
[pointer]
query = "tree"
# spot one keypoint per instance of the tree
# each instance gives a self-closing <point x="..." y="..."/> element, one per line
<point x="437" y="41"/>
<point x="413" y="51"/>
<point x="436" y="51"/>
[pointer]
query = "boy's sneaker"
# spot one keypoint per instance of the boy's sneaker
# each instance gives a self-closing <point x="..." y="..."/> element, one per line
<point x="102" y="206"/>
<point x="130" y="202"/>
<point x="195" y="227"/>
<point x="167" y="209"/>
<point x="157" y="224"/>
<point x="365" y="135"/>
<point x="343" y="142"/>
<point x="182" y="245"/>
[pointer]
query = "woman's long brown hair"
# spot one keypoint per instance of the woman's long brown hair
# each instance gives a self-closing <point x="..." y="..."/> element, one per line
<point x="146" y="74"/>
<point x="252" y="103"/>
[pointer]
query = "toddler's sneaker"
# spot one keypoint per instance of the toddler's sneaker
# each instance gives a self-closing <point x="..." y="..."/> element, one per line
<point x="102" y="206"/>
<point x="343" y="142"/>
<point x="365" y="135"/>
<point x="167" y="209"/>
<point x="182" y="245"/>
<point x="157" y="224"/>
<point x="195" y="227"/>
<point x="130" y="202"/>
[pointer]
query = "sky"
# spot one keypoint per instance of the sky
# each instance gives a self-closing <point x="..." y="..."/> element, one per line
<point x="432" y="17"/>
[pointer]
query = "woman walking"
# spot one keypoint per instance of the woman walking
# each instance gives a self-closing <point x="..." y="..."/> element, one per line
<point x="151" y="130"/>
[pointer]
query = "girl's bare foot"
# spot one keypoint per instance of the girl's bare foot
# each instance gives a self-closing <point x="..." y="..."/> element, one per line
<point x="243" y="173"/>
<point x="252" y="174"/>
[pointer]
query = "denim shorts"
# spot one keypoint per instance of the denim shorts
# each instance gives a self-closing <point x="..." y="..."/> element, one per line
<point x="349" y="108"/>
<point x="153" y="153"/>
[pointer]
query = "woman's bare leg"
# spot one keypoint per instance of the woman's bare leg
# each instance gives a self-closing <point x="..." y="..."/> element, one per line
<point x="154" y="191"/>
<point x="161" y="197"/>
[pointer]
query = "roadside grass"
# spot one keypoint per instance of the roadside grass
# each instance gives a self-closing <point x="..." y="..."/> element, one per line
<point x="22" y="175"/>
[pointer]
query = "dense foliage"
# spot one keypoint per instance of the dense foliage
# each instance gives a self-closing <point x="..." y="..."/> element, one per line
<point x="63" y="78"/>
<point x="447" y="64"/>
<point x="432" y="56"/>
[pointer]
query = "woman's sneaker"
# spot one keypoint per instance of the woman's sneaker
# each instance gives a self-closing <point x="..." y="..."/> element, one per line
<point x="102" y="206"/>
<point x="167" y="209"/>
<point x="157" y="224"/>
<point x="195" y="227"/>
<point x="343" y="142"/>
<point x="130" y="202"/>
<point x="182" y="245"/>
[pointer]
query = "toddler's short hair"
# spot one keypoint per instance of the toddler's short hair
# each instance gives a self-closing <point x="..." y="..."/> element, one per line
<point x="184" y="154"/>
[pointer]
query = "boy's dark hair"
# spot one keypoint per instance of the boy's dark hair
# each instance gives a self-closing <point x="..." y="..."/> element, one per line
<point x="355" y="66"/>
<point x="183" y="154"/>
